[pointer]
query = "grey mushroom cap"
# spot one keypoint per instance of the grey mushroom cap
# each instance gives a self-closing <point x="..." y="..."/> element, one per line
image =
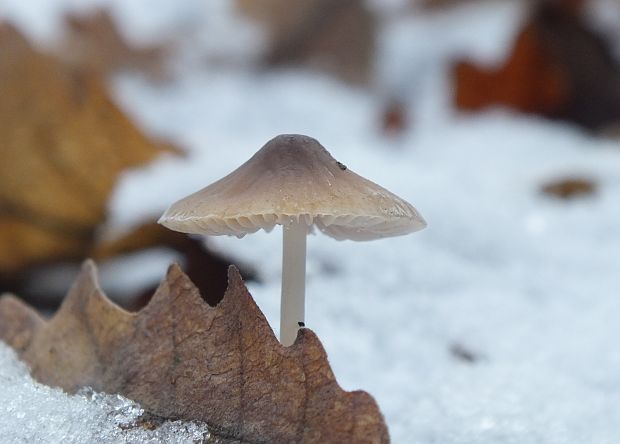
<point x="293" y="178"/>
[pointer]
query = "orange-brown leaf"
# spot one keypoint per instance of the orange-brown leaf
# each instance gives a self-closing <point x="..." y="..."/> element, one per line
<point x="63" y="143"/>
<point x="529" y="81"/>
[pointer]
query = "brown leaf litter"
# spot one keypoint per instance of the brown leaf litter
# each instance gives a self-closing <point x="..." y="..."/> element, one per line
<point x="559" y="67"/>
<point x="94" y="42"/>
<point x="63" y="144"/>
<point x="181" y="358"/>
<point x="569" y="188"/>
<point x="337" y="37"/>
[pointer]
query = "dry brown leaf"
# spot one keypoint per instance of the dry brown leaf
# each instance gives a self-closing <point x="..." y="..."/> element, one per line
<point x="569" y="188"/>
<point x="529" y="81"/>
<point x="338" y="37"/>
<point x="25" y="241"/>
<point x="394" y="118"/>
<point x="63" y="143"/>
<point x="181" y="358"/>
<point x="558" y="67"/>
<point x="18" y="323"/>
<point x="94" y="42"/>
<point x="206" y="268"/>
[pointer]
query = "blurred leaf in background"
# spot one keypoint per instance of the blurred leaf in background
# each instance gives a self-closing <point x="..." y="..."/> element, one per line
<point x="93" y="41"/>
<point x="337" y="37"/>
<point x="559" y="67"/>
<point x="570" y="187"/>
<point x="63" y="144"/>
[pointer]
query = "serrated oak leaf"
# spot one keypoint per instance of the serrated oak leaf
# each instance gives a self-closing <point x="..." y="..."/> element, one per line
<point x="182" y="358"/>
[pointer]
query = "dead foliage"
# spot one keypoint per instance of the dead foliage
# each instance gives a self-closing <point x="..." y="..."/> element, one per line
<point x="63" y="143"/>
<point x="94" y="42"/>
<point x="558" y="68"/>
<point x="530" y="81"/>
<point x="181" y="358"/>
<point x="206" y="269"/>
<point x="569" y="188"/>
<point x="338" y="37"/>
<point x="394" y="120"/>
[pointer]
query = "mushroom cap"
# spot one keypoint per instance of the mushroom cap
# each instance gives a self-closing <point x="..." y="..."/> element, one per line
<point x="293" y="178"/>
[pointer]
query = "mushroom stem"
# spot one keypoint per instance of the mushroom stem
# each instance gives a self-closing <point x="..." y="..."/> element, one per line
<point x="293" y="281"/>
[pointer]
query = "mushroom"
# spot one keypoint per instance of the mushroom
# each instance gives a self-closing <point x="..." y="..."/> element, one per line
<point x="293" y="181"/>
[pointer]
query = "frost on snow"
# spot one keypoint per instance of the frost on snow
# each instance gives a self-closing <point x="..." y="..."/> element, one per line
<point x="34" y="413"/>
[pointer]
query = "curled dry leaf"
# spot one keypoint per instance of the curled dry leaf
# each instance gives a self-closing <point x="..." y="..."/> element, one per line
<point x="181" y="358"/>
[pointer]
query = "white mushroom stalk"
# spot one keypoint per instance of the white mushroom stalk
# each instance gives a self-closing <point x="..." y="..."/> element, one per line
<point x="292" y="307"/>
<point x="293" y="181"/>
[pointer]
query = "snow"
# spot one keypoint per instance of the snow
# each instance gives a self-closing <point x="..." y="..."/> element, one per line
<point x="34" y="413"/>
<point x="529" y="284"/>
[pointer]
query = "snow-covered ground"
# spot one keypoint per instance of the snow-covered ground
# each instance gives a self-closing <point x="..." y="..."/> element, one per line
<point x="528" y="284"/>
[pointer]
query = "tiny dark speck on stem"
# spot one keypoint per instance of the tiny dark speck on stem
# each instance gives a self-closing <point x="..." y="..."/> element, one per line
<point x="342" y="166"/>
<point x="301" y="324"/>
